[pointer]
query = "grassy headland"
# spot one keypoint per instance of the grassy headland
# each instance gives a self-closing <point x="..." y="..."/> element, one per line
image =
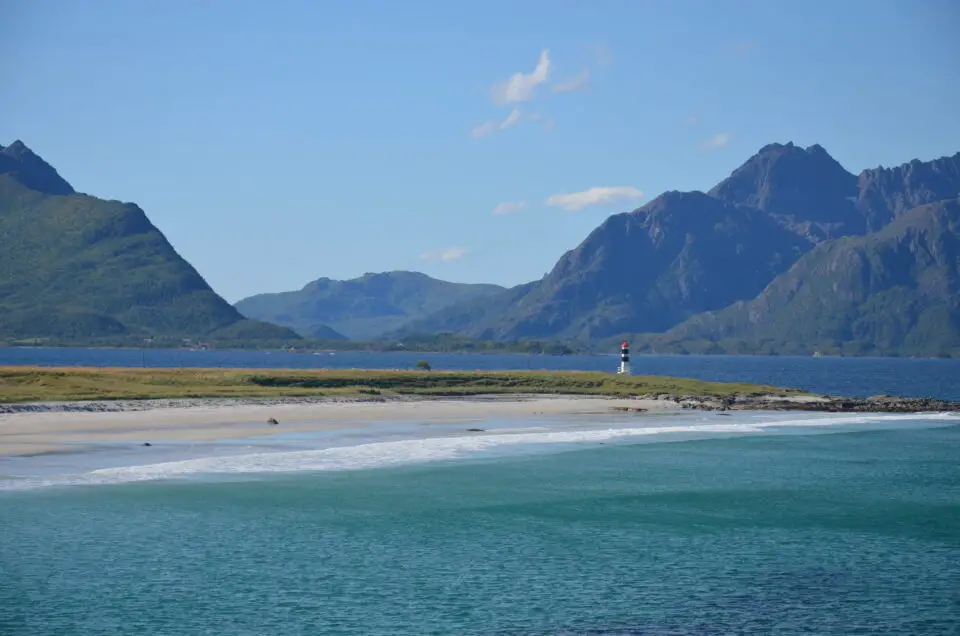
<point x="44" y="384"/>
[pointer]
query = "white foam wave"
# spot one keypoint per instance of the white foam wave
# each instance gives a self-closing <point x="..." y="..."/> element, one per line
<point x="394" y="453"/>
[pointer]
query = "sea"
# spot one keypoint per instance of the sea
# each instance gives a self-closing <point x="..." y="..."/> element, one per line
<point x="623" y="524"/>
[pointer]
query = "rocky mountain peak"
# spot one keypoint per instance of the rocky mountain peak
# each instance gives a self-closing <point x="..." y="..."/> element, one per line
<point x="31" y="170"/>
<point x="887" y="193"/>
<point x="805" y="188"/>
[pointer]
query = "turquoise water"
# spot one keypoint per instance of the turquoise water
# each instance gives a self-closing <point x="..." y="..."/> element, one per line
<point x="826" y="531"/>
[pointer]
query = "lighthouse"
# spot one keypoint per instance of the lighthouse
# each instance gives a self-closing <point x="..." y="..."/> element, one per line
<point x="624" y="358"/>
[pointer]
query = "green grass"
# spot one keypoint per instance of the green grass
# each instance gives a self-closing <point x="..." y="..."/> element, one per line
<point x="39" y="384"/>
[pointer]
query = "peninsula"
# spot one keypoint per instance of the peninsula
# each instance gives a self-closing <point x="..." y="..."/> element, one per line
<point x="54" y="409"/>
<point x="88" y="388"/>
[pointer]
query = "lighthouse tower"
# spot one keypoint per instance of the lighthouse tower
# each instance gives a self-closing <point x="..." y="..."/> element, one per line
<point x="624" y="358"/>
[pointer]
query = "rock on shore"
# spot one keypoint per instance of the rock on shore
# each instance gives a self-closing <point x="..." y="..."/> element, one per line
<point x="826" y="404"/>
<point x="823" y="404"/>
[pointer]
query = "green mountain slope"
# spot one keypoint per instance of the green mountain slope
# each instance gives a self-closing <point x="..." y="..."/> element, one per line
<point x="74" y="267"/>
<point x="475" y="315"/>
<point x="325" y="332"/>
<point x="362" y="308"/>
<point x="892" y="291"/>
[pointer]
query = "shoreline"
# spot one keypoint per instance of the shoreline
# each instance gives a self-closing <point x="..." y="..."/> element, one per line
<point x="736" y="402"/>
<point x="52" y="409"/>
<point x="588" y="352"/>
<point x="31" y="429"/>
<point x="58" y="427"/>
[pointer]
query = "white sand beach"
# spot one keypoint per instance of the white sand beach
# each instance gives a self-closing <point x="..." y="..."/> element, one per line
<point x="32" y="433"/>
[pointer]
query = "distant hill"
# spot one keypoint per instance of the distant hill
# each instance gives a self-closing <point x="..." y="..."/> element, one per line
<point x="362" y="308"/>
<point x="684" y="254"/>
<point x="470" y="315"/>
<point x="77" y="267"/>
<point x="324" y="332"/>
<point x="893" y="291"/>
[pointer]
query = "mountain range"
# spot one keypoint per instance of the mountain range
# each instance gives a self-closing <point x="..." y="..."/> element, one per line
<point x="79" y="268"/>
<point x="361" y="308"/>
<point x="890" y="290"/>
<point x="789" y="254"/>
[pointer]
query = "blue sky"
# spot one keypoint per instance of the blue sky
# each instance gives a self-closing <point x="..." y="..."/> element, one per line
<point x="277" y="142"/>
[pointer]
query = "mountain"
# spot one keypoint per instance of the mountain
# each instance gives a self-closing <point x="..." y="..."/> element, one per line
<point x="804" y="189"/>
<point x="77" y="267"/>
<point x="683" y="254"/>
<point x="22" y="165"/>
<point x="324" y="332"/>
<point x="647" y="270"/>
<point x="464" y="316"/>
<point x="886" y="193"/>
<point x="893" y="291"/>
<point x="809" y="192"/>
<point x="362" y="308"/>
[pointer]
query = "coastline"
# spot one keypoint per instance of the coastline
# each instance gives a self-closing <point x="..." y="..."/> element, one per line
<point x="33" y="429"/>
<point x="28" y="429"/>
<point x="52" y="410"/>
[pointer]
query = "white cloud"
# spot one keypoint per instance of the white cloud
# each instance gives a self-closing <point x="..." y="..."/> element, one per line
<point x="576" y="83"/>
<point x="508" y="207"/>
<point x="490" y="127"/>
<point x="693" y="120"/>
<point x="520" y="86"/>
<point x="511" y="119"/>
<point x="715" y="142"/>
<point x="576" y="201"/>
<point x="446" y="255"/>
<point x="484" y="129"/>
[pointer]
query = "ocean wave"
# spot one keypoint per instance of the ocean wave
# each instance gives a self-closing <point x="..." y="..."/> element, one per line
<point x="432" y="449"/>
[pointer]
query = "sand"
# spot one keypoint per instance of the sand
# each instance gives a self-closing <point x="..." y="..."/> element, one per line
<point x="33" y="433"/>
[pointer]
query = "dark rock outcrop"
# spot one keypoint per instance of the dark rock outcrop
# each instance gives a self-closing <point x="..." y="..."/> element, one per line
<point x="820" y="404"/>
<point x="31" y="171"/>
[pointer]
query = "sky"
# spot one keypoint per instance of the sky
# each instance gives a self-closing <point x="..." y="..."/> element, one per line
<point x="277" y="142"/>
